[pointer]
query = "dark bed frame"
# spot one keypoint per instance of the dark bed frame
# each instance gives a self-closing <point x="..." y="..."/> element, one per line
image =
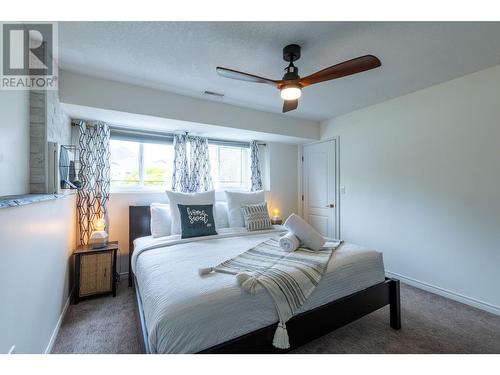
<point x="303" y="327"/>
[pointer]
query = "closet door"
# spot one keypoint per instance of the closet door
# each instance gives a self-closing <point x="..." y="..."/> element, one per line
<point x="319" y="184"/>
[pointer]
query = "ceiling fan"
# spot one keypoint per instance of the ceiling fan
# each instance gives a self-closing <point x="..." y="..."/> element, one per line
<point x="291" y="84"/>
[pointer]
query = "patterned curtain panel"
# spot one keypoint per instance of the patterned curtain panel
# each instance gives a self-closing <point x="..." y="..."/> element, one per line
<point x="94" y="176"/>
<point x="200" y="178"/>
<point x="180" y="176"/>
<point x="255" y="167"/>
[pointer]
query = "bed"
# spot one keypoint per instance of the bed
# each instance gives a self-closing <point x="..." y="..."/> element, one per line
<point x="181" y="312"/>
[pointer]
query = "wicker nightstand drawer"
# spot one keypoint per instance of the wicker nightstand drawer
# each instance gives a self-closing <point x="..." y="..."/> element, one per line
<point x="95" y="271"/>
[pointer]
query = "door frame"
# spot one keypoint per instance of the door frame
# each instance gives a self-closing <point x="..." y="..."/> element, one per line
<point x="336" y="142"/>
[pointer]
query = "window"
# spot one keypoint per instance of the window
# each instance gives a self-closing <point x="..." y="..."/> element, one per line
<point x="158" y="165"/>
<point x="142" y="165"/>
<point x="124" y="163"/>
<point x="230" y="167"/>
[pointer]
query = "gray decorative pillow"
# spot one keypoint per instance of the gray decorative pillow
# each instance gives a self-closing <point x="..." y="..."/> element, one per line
<point x="256" y="216"/>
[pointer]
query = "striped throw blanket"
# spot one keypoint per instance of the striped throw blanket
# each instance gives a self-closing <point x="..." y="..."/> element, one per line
<point x="289" y="277"/>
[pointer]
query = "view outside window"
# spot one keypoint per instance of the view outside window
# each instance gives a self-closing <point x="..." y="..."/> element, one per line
<point x="158" y="165"/>
<point x="230" y="167"/>
<point x="136" y="166"/>
<point x="124" y="164"/>
<point x="139" y="166"/>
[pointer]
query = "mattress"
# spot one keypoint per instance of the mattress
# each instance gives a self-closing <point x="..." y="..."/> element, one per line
<point x="187" y="313"/>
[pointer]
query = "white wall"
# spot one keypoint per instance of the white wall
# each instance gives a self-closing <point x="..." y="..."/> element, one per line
<point x="14" y="142"/>
<point x="118" y="219"/>
<point x="422" y="178"/>
<point x="281" y="166"/>
<point x="36" y="240"/>
<point x="36" y="243"/>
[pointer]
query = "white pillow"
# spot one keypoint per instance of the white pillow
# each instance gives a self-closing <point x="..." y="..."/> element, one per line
<point x="175" y="198"/>
<point x="235" y="200"/>
<point x="161" y="222"/>
<point x="221" y="220"/>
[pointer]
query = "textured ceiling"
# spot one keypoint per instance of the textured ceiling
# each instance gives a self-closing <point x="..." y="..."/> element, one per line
<point x="181" y="57"/>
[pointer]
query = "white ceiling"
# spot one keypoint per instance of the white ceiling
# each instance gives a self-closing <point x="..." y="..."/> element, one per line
<point x="181" y="57"/>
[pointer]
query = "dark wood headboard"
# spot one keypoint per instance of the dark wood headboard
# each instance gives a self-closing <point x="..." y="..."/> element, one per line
<point x="139" y="225"/>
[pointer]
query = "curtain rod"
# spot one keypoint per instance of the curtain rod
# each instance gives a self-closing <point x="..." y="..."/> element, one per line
<point x="76" y="122"/>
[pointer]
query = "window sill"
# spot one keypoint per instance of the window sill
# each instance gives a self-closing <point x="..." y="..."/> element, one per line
<point x="23" y="200"/>
<point x="137" y="191"/>
<point x="217" y="191"/>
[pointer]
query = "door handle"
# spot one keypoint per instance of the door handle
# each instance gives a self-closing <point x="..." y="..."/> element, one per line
<point x="331" y="205"/>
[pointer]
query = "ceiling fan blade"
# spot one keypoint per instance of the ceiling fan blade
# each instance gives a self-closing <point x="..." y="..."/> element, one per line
<point x="346" y="68"/>
<point x="290" y="105"/>
<point x="234" y="74"/>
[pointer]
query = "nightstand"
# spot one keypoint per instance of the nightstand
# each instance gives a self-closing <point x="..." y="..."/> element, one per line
<point x="95" y="271"/>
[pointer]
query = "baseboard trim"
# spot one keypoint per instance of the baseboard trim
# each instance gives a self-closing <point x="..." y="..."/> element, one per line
<point x="446" y="293"/>
<point x="52" y="340"/>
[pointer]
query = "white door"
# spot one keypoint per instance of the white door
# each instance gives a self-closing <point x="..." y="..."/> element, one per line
<point x="318" y="184"/>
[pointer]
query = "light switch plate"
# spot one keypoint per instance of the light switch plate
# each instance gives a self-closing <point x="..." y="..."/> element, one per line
<point x="342" y="189"/>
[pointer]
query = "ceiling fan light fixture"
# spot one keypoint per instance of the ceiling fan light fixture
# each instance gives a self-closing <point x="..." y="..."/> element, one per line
<point x="291" y="84"/>
<point x="291" y="92"/>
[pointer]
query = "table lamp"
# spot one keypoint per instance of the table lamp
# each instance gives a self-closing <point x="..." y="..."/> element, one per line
<point x="99" y="237"/>
<point x="276" y="219"/>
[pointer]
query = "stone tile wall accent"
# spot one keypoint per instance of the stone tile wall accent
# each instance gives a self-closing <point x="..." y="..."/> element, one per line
<point x="58" y="123"/>
<point x="48" y="123"/>
<point x="38" y="142"/>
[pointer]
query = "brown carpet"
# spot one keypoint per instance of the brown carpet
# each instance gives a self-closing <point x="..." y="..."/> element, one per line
<point x="430" y="324"/>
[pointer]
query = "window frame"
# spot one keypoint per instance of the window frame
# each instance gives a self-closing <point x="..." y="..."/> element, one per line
<point x="140" y="188"/>
<point x="233" y="187"/>
<point x="167" y="139"/>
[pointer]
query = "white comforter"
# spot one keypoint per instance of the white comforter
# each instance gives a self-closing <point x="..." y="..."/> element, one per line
<point x="186" y="313"/>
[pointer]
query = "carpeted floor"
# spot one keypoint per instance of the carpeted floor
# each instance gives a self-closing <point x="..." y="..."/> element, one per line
<point x="430" y="324"/>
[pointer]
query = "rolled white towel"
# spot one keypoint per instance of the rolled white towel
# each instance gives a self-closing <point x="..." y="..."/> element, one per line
<point x="289" y="242"/>
<point x="304" y="232"/>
